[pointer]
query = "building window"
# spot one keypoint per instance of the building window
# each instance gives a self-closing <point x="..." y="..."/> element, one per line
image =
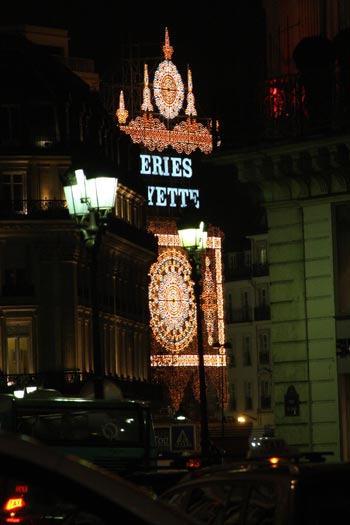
<point x="265" y="395"/>
<point x="229" y="309"/>
<point x="16" y="283"/>
<point x="262" y="296"/>
<point x="261" y="253"/>
<point x="248" y="395"/>
<point x="43" y="125"/>
<point x="246" y="313"/>
<point x="262" y="310"/>
<point x="232" y="404"/>
<point x="231" y="357"/>
<point x="12" y="192"/>
<point x="10" y="124"/>
<point x="247" y="360"/>
<point x="17" y="355"/>
<point x="264" y="348"/>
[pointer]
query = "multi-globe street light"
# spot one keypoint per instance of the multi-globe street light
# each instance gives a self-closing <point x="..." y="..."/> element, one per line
<point x="194" y="240"/>
<point x="89" y="201"/>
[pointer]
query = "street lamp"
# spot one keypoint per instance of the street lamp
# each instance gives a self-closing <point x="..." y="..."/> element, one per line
<point x="193" y="238"/>
<point x="242" y="418"/>
<point x="89" y="201"/>
<point x="222" y="347"/>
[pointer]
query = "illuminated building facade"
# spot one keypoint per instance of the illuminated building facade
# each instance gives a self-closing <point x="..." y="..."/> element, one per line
<point x="169" y="142"/>
<point x="46" y="313"/>
<point x="302" y="179"/>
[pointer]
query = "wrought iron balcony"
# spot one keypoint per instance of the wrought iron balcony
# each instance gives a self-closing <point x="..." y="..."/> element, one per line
<point x="264" y="358"/>
<point x="259" y="269"/>
<point x="262" y="313"/>
<point x="265" y="402"/>
<point x="241" y="315"/>
<point x="293" y="107"/>
<point x="33" y="209"/>
<point x="238" y="273"/>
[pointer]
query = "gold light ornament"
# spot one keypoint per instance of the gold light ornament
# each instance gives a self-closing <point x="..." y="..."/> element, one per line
<point x="122" y="113"/>
<point x="172" y="301"/>
<point x="184" y="136"/>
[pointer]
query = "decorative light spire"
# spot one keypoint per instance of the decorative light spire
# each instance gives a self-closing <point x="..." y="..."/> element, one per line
<point x="190" y="109"/>
<point x="122" y="113"/>
<point x="168" y="50"/>
<point x="186" y="134"/>
<point x="146" y="103"/>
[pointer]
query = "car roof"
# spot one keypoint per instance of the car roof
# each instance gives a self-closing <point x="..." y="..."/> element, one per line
<point x="257" y="469"/>
<point x="18" y="449"/>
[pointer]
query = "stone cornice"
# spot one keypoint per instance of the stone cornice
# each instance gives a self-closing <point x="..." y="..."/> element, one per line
<point x="313" y="168"/>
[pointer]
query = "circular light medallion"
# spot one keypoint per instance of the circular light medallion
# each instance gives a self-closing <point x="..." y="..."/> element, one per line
<point x="168" y="89"/>
<point x="172" y="301"/>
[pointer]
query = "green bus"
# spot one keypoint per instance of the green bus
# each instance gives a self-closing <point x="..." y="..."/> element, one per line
<point x="117" y="435"/>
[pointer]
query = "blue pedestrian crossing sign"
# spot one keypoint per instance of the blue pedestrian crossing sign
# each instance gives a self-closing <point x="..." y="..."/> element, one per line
<point x="183" y="437"/>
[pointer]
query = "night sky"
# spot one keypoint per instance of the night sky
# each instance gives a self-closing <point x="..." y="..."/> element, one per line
<point x="222" y="45"/>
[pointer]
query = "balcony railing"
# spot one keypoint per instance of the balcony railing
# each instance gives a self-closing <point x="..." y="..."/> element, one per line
<point x="295" y="108"/>
<point x="262" y="313"/>
<point x="259" y="269"/>
<point x="264" y="358"/>
<point x="246" y="271"/>
<point x="20" y="290"/>
<point x="70" y="382"/>
<point x="34" y="209"/>
<point x="248" y="403"/>
<point x="241" y="315"/>
<point x="265" y="402"/>
<point x="238" y="273"/>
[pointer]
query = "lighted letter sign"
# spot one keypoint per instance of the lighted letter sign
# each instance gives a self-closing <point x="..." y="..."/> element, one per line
<point x="171" y="167"/>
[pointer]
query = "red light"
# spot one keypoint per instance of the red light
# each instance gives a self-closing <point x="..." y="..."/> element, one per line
<point x="194" y="463"/>
<point x="14" y="503"/>
<point x="22" y="489"/>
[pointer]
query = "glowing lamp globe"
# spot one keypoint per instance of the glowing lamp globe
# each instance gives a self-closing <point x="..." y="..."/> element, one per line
<point x="97" y="193"/>
<point x="193" y="239"/>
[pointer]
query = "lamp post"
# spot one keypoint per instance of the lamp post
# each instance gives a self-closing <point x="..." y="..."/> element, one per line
<point x="194" y="240"/>
<point x="89" y="201"/>
<point x="222" y="352"/>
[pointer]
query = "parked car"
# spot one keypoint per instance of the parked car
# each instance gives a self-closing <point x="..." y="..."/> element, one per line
<point x="284" y="491"/>
<point x="40" y="486"/>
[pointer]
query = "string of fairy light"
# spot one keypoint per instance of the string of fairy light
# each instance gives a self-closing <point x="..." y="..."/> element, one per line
<point x="168" y="93"/>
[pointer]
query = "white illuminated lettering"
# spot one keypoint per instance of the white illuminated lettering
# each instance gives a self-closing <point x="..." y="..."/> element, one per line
<point x="157" y="165"/>
<point x="166" y="165"/>
<point x="183" y="193"/>
<point x="187" y="168"/>
<point x="172" y="192"/>
<point x="176" y="166"/>
<point x="150" y="193"/>
<point x="161" y="196"/>
<point x="145" y="164"/>
<point x="194" y="197"/>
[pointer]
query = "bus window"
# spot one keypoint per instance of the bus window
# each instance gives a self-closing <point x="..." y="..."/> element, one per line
<point x="113" y="434"/>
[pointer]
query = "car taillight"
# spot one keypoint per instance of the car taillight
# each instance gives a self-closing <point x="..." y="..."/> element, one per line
<point x="274" y="461"/>
<point x="194" y="463"/>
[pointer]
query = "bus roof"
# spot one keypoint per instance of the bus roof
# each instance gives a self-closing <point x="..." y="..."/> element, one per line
<point x="71" y="401"/>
